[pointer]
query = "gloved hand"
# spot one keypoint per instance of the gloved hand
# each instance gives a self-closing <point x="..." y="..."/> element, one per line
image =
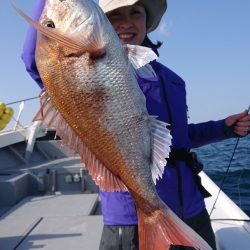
<point x="237" y="125"/>
<point x="6" y="114"/>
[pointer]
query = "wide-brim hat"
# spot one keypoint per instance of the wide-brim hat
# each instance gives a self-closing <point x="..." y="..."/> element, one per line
<point x="154" y="8"/>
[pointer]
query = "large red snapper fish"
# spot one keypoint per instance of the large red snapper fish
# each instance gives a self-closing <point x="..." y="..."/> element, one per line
<point x="93" y="99"/>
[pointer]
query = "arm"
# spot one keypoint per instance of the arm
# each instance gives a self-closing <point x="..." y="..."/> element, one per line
<point x="213" y="131"/>
<point x="207" y="132"/>
<point x="29" y="47"/>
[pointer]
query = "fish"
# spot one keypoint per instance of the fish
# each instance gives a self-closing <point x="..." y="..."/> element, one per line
<point x="93" y="100"/>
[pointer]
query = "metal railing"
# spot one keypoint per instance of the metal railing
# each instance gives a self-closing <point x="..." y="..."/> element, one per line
<point x="17" y="118"/>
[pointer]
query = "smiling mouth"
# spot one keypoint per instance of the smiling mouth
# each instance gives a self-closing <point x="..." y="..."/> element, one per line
<point x="125" y="36"/>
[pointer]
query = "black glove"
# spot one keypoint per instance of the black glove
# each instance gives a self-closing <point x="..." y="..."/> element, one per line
<point x="229" y="131"/>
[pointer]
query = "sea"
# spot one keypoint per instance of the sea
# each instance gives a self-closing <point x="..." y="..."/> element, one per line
<point x="234" y="154"/>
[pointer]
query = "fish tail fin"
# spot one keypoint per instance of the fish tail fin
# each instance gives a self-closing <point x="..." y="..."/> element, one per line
<point x="163" y="228"/>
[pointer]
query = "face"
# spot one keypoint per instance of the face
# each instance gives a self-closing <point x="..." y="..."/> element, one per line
<point x="129" y="23"/>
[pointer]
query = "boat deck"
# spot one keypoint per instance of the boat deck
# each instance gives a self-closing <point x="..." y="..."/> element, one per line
<point x="60" y="221"/>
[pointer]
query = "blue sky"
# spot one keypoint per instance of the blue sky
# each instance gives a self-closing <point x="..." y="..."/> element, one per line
<point x="207" y="43"/>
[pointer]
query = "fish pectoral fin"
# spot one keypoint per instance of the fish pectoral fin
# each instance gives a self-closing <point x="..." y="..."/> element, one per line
<point x="51" y="117"/>
<point x="140" y="56"/>
<point x="161" y="142"/>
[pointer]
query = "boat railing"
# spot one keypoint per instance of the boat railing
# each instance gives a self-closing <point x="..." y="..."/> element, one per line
<point x="24" y="111"/>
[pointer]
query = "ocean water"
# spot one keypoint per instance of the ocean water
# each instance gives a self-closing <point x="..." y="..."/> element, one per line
<point x="216" y="158"/>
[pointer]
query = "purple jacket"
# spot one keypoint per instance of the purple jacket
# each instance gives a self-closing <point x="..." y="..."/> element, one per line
<point x="165" y="98"/>
<point x="29" y="47"/>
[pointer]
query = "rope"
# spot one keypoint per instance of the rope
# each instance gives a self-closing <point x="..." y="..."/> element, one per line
<point x="27" y="99"/>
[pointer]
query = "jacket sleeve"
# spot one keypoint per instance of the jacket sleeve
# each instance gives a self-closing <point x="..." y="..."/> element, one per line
<point x="207" y="132"/>
<point x="29" y="47"/>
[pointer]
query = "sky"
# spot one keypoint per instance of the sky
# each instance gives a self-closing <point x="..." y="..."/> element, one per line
<point x="207" y="43"/>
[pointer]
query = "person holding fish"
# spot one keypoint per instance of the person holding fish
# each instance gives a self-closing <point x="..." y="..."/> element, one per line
<point x="179" y="186"/>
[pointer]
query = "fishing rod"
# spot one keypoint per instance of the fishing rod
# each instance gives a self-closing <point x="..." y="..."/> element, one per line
<point x="227" y="170"/>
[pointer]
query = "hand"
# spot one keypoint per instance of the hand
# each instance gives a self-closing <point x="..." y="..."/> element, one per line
<point x="240" y="123"/>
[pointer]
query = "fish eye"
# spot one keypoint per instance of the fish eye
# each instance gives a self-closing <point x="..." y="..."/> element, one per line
<point x="49" y="24"/>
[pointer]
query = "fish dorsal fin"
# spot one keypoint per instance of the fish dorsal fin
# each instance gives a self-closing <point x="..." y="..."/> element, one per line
<point x="161" y="141"/>
<point x="53" y="34"/>
<point x="51" y="117"/>
<point x="75" y="41"/>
